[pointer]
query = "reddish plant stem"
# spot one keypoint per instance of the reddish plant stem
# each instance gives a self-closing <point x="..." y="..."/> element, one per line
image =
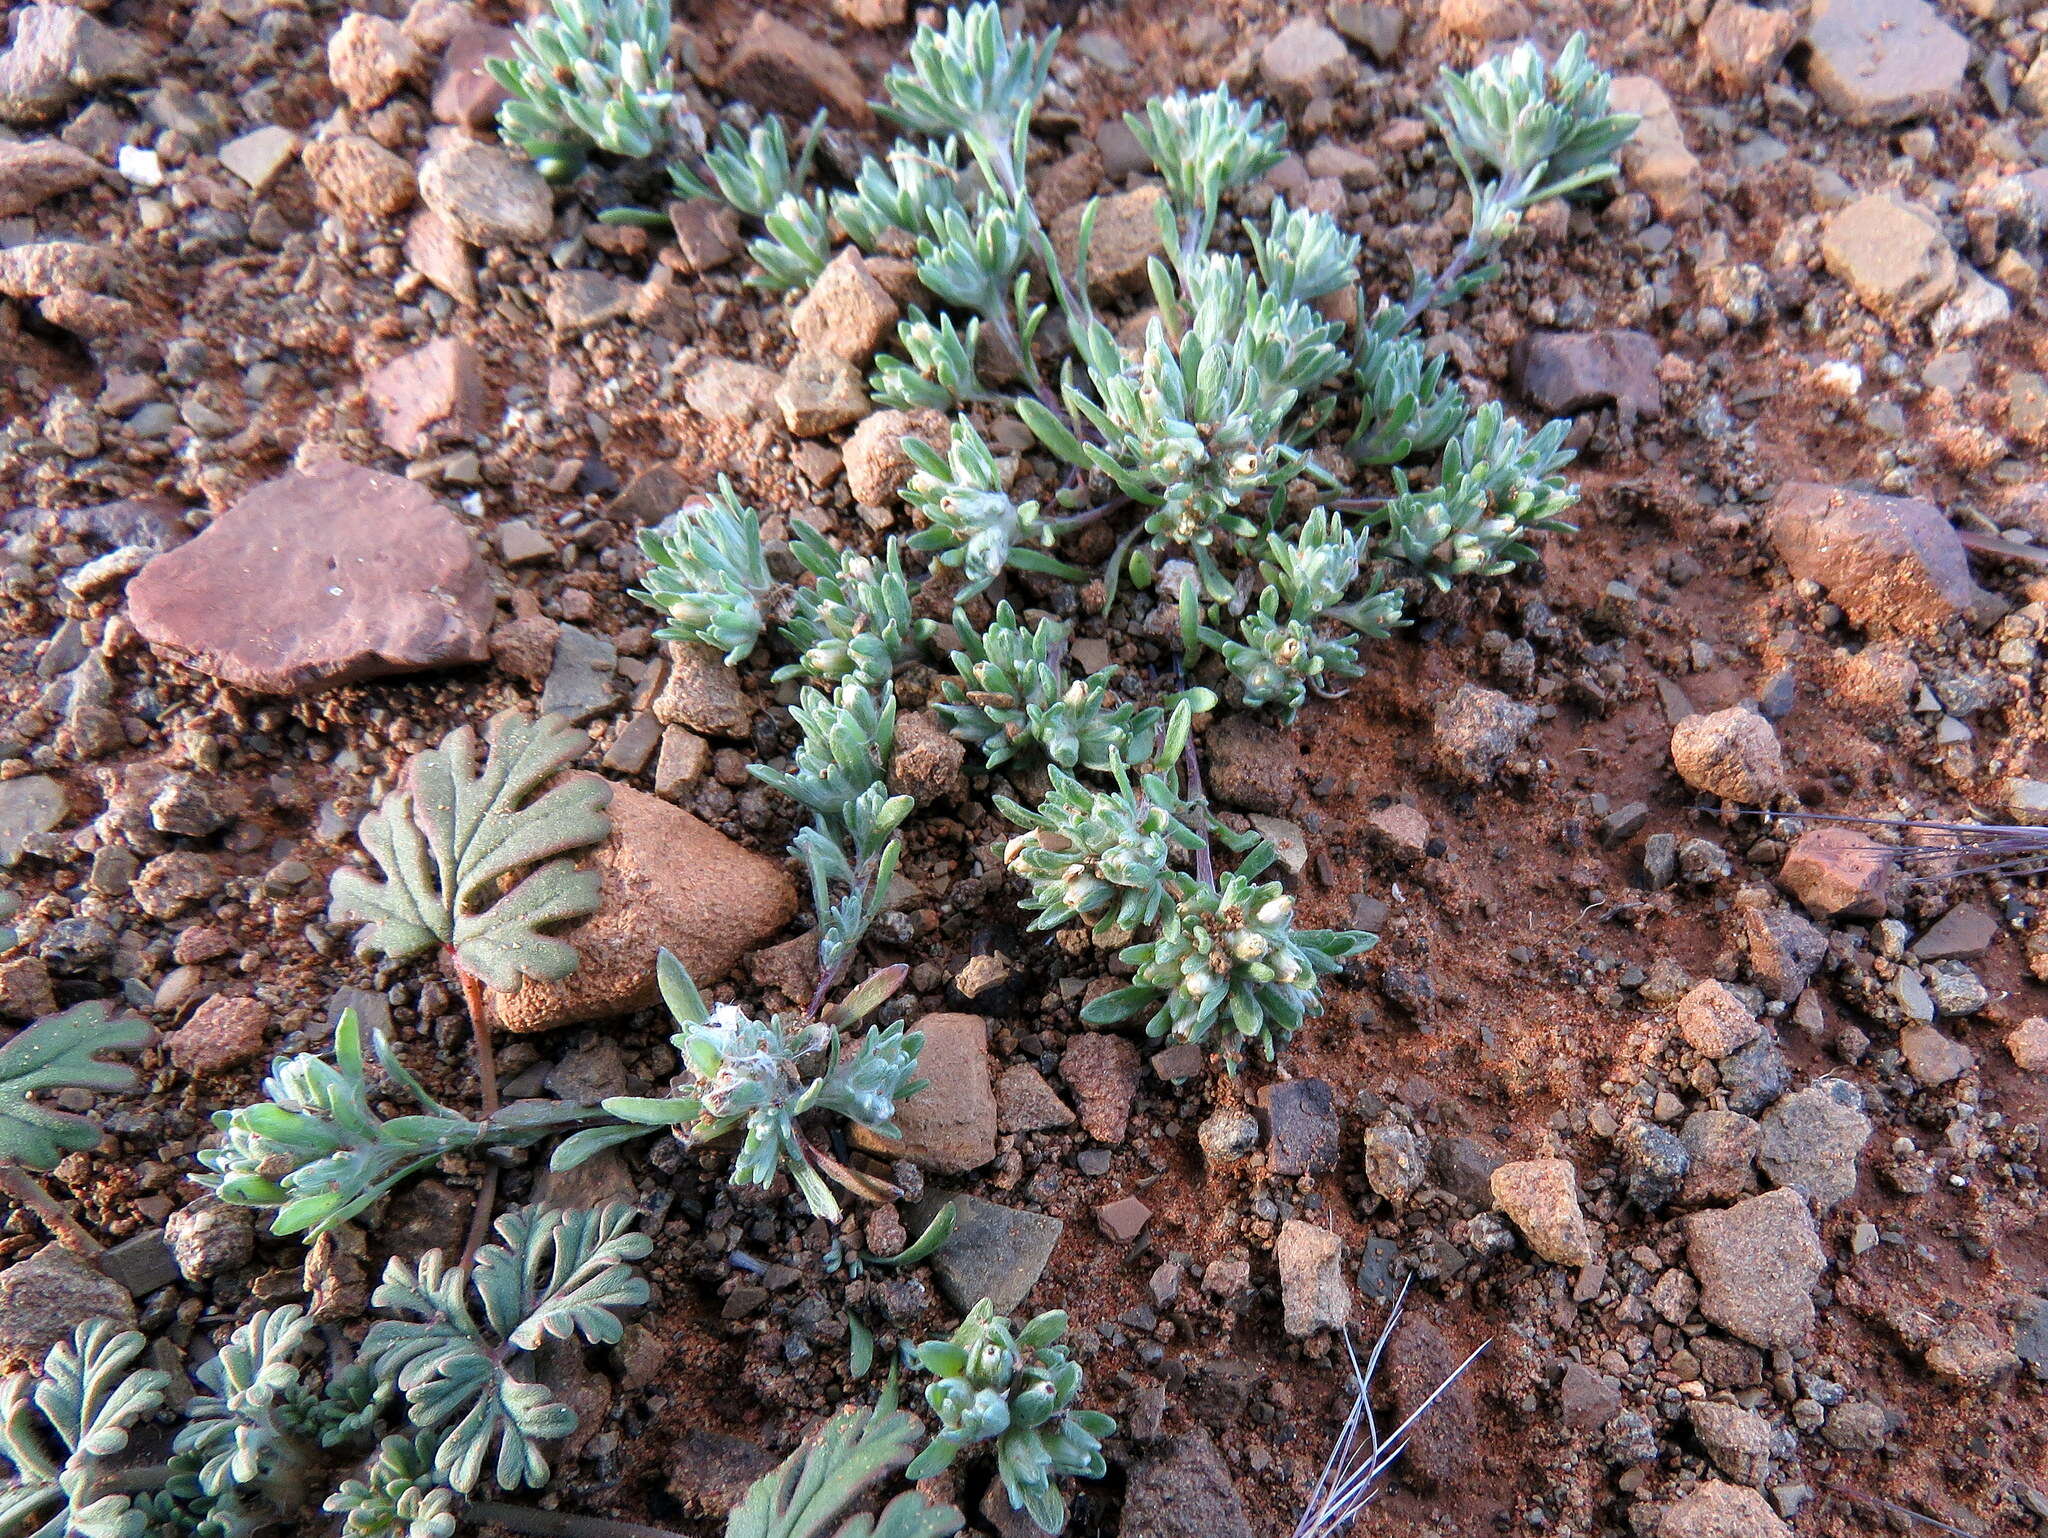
<point x="25" y="1189"/>
<point x="487" y="1076"/>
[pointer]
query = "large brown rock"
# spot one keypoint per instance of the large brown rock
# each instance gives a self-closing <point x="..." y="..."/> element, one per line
<point x="1757" y="1264"/>
<point x="1184" y="1491"/>
<point x="667" y="882"/>
<point x="1877" y="62"/>
<point x="1720" y="1510"/>
<point x="1889" y="563"/>
<point x="41" y="169"/>
<point x="321" y="577"/>
<point x="949" y="1126"/>
<point x="775" y="66"/>
<point x="45" y="1296"/>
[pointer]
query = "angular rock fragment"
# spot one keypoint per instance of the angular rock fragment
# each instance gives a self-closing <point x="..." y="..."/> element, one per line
<point x="320" y="577"/>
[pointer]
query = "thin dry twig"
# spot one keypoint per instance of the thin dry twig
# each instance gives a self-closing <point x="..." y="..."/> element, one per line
<point x="2009" y="850"/>
<point x="1351" y="1475"/>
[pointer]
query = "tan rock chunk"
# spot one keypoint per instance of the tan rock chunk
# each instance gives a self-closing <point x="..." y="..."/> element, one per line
<point x="1757" y="1264"/>
<point x="1314" y="1292"/>
<point x="1026" y="1103"/>
<point x="2028" y="1044"/>
<point x="357" y="175"/>
<point x="1837" y="873"/>
<point x="666" y="882"/>
<point x="1126" y="238"/>
<point x="1892" y="564"/>
<point x="847" y="314"/>
<point x="949" y="1126"/>
<point x="1541" y="1197"/>
<point x="317" y="578"/>
<point x="33" y="173"/>
<point x="1891" y="253"/>
<point x="1732" y="753"/>
<point x="1878" y="62"/>
<point x="223" y="1033"/>
<point x="1744" y="45"/>
<point x="1718" y="1510"/>
<point x="488" y="197"/>
<point x="1102" y="1071"/>
<point x="464" y="92"/>
<point x="877" y="469"/>
<point x="820" y="394"/>
<point x="370" y="58"/>
<point x="1714" y="1022"/>
<point x="440" y="256"/>
<point x="1656" y="158"/>
<point x="728" y="390"/>
<point x="1305" y="59"/>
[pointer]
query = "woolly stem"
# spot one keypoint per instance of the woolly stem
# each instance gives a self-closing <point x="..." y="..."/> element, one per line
<point x="26" y="1190"/>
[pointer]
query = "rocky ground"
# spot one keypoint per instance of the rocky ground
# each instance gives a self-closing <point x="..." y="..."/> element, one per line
<point x="330" y="427"/>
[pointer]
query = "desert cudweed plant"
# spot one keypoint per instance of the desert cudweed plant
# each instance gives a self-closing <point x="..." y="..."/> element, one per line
<point x="587" y="75"/>
<point x="1203" y="147"/>
<point x="450" y="840"/>
<point x="1405" y="405"/>
<point x="752" y="171"/>
<point x="1206" y="441"/>
<point x="840" y="772"/>
<point x="1099" y="856"/>
<point x="971" y="521"/>
<point x="1542" y="130"/>
<point x="707" y="570"/>
<point x="759" y="1077"/>
<point x="796" y="243"/>
<point x="1497" y="486"/>
<point x="1011" y="697"/>
<point x="1285" y="651"/>
<point x="1228" y="961"/>
<point x="1015" y="1388"/>
<point x="938" y="369"/>
<point x="977" y="82"/>
<point x="855" y="620"/>
<point x="461" y="1356"/>
<point x="316" y="1153"/>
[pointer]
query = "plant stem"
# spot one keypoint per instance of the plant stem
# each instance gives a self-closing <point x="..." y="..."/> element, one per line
<point x="25" y="1189"/>
<point x="1198" y="807"/>
<point x="487" y="1077"/>
<point x="561" y="1524"/>
<point x="1086" y="516"/>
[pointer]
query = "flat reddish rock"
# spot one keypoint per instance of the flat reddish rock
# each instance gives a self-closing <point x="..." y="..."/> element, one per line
<point x="430" y="392"/>
<point x="223" y="1033"/>
<point x="464" y="92"/>
<point x="667" y="882"/>
<point x="1889" y="563"/>
<point x="1838" y="873"/>
<point x="321" y="577"/>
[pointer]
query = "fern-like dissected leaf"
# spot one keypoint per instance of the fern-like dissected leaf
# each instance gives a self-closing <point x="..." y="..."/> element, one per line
<point x="559" y="1273"/>
<point x="62" y="1052"/>
<point x="450" y="839"/>
<point x="812" y="1487"/>
<point x="87" y="1399"/>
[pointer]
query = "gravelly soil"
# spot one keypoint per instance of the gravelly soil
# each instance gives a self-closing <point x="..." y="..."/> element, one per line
<point x="1520" y="996"/>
